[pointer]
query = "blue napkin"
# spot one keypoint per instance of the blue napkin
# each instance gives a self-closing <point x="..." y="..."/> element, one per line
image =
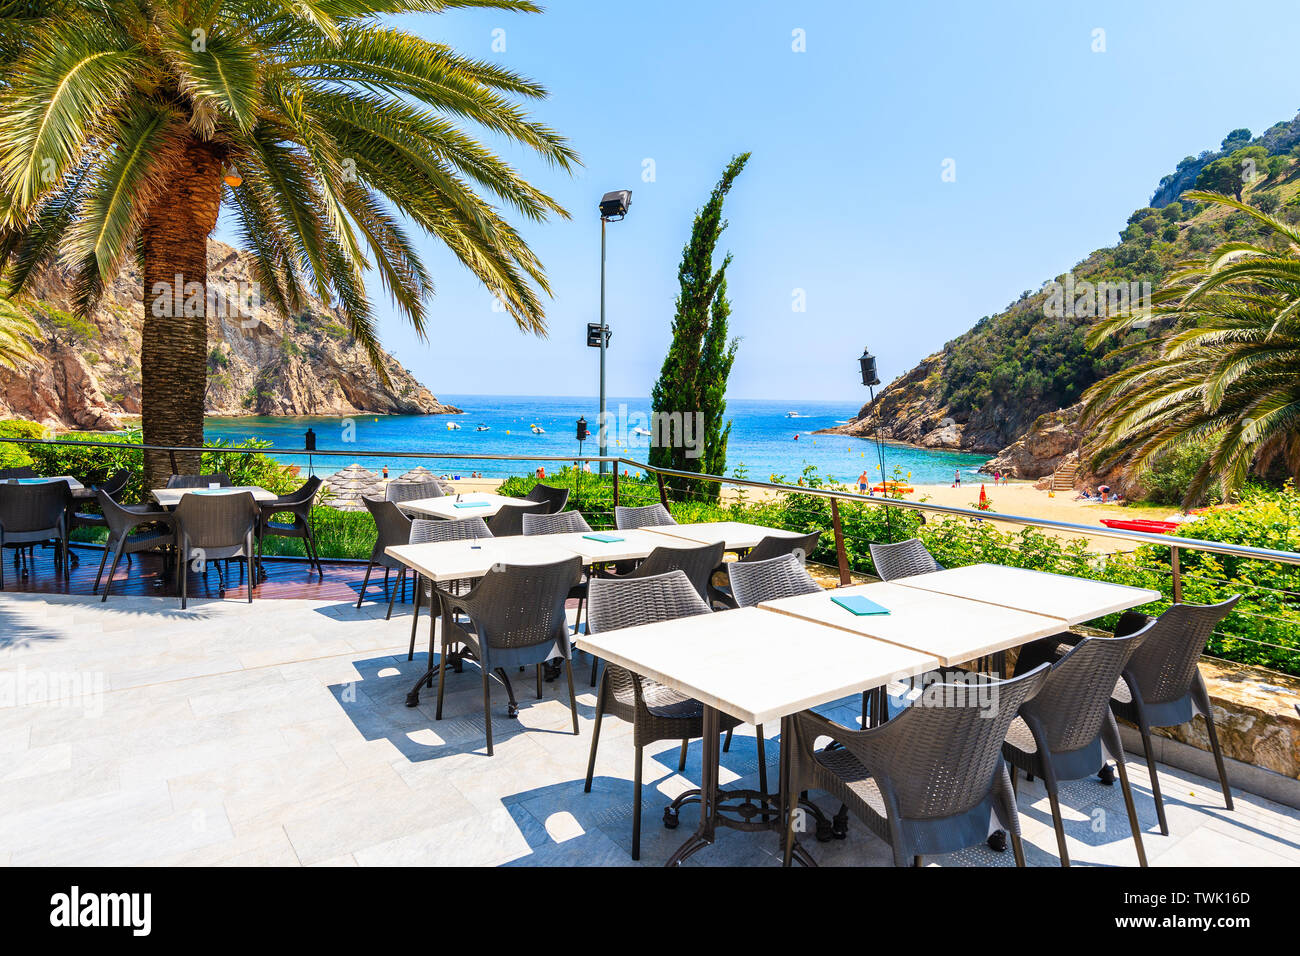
<point x="469" y="504"/>
<point x="859" y="605"/>
<point x="603" y="538"/>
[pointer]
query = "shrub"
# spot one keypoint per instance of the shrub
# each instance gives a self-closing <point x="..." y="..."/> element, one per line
<point x="1171" y="474"/>
<point x="18" y="456"/>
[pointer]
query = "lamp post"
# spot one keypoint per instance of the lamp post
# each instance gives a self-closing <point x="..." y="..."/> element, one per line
<point x="613" y="208"/>
<point x="867" y="365"/>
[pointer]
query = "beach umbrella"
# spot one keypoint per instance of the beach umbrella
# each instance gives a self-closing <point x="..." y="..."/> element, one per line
<point x="349" y="485"/>
<point x="419" y="475"/>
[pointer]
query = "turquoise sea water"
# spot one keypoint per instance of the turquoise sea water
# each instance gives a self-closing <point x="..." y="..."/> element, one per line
<point x="762" y="438"/>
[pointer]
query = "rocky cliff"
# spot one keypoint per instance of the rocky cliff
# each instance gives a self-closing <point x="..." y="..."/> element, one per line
<point x="88" y="374"/>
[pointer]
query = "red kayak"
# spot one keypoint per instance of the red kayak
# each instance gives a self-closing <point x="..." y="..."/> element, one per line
<point x="1141" y="524"/>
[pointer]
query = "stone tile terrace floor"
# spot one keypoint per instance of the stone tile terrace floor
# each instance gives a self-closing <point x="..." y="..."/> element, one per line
<point x="275" y="733"/>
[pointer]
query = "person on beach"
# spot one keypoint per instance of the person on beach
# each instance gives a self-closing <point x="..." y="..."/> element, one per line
<point x="956" y="478"/>
<point x="997" y="478"/>
<point x="864" y="483"/>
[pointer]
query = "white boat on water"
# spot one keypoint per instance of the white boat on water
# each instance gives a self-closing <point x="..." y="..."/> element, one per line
<point x="452" y="426"/>
<point x="640" y="431"/>
<point x="538" y="429"/>
<point x="483" y="428"/>
<point x="793" y="415"/>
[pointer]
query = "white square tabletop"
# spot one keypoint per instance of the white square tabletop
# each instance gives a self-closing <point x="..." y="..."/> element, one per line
<point x="171" y="497"/>
<point x="472" y="504"/>
<point x="740" y="661"/>
<point x="735" y="534"/>
<point x="633" y="543"/>
<point x="1071" y="599"/>
<point x="473" y="558"/>
<point x="954" y="630"/>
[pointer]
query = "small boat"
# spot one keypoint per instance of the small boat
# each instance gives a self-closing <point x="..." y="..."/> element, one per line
<point x="640" y="431"/>
<point x="1140" y="524"/>
<point x="538" y="429"/>
<point x="452" y="426"/>
<point x="890" y="487"/>
<point x="792" y="415"/>
<point x="483" y="428"/>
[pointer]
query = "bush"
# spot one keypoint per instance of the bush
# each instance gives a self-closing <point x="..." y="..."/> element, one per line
<point x="18" y="456"/>
<point x="1171" y="474"/>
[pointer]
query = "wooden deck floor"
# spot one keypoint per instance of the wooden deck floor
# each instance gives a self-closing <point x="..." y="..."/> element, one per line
<point x="284" y="578"/>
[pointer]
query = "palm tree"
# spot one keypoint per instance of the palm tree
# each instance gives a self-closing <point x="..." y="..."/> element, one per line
<point x="17" y="330"/>
<point x="1225" y="368"/>
<point x="321" y="128"/>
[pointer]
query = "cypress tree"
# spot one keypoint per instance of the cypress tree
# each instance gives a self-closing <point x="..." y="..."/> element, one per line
<point x="694" y="374"/>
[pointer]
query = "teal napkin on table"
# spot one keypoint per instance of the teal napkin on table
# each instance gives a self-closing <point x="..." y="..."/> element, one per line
<point x="603" y="538"/>
<point x="469" y="504"/>
<point x="859" y="605"/>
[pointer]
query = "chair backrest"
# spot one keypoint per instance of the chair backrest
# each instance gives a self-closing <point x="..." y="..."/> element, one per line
<point x="306" y="495"/>
<point x="216" y="521"/>
<point x="21" y="472"/>
<point x="412" y="490"/>
<point x="559" y="523"/>
<point x="37" y="507"/>
<point x="775" y="545"/>
<point x="520" y="605"/>
<point x="940" y="754"/>
<point x="394" y="527"/>
<point x="902" y="559"/>
<point x="424" y="530"/>
<point x="1165" y="665"/>
<point x="647" y="516"/>
<point x="220" y="478"/>
<point x="1075" y="697"/>
<point x="116" y="482"/>
<point x="510" y="519"/>
<point x="613" y="603"/>
<point x="698" y="564"/>
<point x="755" y="581"/>
<point x="556" y="498"/>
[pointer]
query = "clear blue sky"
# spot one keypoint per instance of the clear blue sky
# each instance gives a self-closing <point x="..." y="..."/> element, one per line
<point x="1054" y="146"/>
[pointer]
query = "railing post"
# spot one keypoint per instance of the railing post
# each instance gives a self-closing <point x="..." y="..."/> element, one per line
<point x="615" y="484"/>
<point x="840" y="554"/>
<point x="1174" y="563"/>
<point x="172" y="456"/>
<point x="663" y="495"/>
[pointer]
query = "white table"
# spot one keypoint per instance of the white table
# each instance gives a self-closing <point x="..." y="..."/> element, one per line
<point x="73" y="484"/>
<point x="634" y="544"/>
<point x="171" y="497"/>
<point x="736" y="535"/>
<point x="954" y="630"/>
<point x="1072" y="600"/>
<point x="739" y="662"/>
<point x="476" y="504"/>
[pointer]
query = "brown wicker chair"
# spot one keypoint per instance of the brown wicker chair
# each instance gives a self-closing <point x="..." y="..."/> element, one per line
<point x="654" y="711"/>
<point x="902" y="559"/>
<point x="1066" y="730"/>
<point x="514" y="617"/>
<point x="34" y="514"/>
<point x="926" y="781"/>
<point x="392" y="527"/>
<point x="1161" y="686"/>
<point x="773" y="546"/>
<point x="556" y="498"/>
<point x="221" y="527"/>
<point x="299" y="505"/>
<point x="425" y="530"/>
<point x="646" y="516"/>
<point x="509" y="521"/>
<point x="219" y="478"/>
<point x="131" y="531"/>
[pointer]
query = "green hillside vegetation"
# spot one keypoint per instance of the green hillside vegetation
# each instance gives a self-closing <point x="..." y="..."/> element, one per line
<point x="1027" y="358"/>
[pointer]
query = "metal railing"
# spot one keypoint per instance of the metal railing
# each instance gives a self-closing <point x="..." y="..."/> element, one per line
<point x="836" y="495"/>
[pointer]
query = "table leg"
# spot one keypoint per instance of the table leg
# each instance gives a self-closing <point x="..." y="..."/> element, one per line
<point x="705" y="833"/>
<point x="426" y="679"/>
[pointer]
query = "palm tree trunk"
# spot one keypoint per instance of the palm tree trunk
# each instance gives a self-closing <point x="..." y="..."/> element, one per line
<point x="174" y="341"/>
